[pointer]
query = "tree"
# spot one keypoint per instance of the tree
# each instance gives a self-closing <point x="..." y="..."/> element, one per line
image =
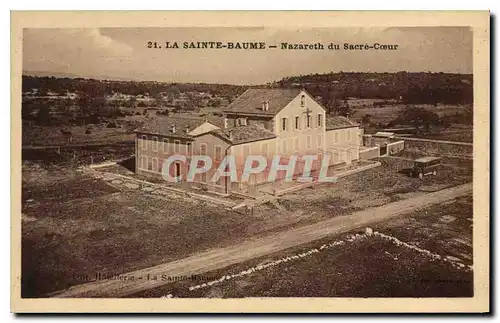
<point x="344" y="110"/>
<point x="420" y="118"/>
<point x="366" y="119"/>
<point x="330" y="100"/>
<point x="43" y="115"/>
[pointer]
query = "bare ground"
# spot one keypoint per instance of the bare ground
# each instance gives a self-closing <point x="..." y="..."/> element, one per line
<point x="75" y="226"/>
<point x="367" y="268"/>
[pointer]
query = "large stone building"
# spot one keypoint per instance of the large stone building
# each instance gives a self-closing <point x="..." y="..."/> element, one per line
<point x="264" y="122"/>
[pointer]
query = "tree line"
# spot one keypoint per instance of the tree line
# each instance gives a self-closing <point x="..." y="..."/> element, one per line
<point x="410" y="88"/>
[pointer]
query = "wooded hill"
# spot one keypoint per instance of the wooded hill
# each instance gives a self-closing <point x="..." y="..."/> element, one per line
<point x="411" y="88"/>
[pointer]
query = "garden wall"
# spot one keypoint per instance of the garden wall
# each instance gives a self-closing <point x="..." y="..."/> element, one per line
<point x="369" y="153"/>
<point x="438" y="147"/>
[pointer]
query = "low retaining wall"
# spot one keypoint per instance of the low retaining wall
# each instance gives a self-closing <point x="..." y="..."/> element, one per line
<point x="95" y="166"/>
<point x="438" y="147"/>
<point x="369" y="153"/>
<point x="395" y="147"/>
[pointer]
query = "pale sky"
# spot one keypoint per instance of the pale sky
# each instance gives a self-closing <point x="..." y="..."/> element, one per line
<point x="122" y="53"/>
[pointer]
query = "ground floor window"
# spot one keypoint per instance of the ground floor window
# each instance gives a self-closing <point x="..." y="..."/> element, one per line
<point x="283" y="146"/>
<point x="143" y="162"/>
<point x="150" y="164"/>
<point x="154" y="167"/>
<point x="160" y="165"/>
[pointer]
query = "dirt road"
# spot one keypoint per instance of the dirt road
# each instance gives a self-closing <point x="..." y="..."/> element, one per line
<point x="220" y="258"/>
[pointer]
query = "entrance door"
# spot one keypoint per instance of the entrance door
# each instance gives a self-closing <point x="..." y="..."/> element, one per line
<point x="177" y="169"/>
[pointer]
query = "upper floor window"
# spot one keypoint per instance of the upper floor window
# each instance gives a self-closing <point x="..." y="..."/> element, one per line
<point x="284" y="124"/>
<point x="203" y="149"/>
<point x="308" y="120"/>
<point x="320" y="120"/>
<point x="264" y="148"/>
<point x="144" y="142"/>
<point x="297" y="122"/>
<point x="165" y="145"/>
<point x="303" y="101"/>
<point x="155" y="143"/>
<point x="246" y="150"/>
<point x="177" y="145"/>
<point x="218" y="153"/>
<point x="241" y="122"/>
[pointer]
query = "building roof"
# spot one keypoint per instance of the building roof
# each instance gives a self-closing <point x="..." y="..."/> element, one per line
<point x="426" y="159"/>
<point x="338" y="122"/>
<point x="163" y="126"/>
<point x="244" y="134"/>
<point x="384" y="134"/>
<point x="251" y="101"/>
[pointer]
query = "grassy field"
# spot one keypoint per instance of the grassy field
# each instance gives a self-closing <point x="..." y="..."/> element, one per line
<point x="462" y="136"/>
<point x="122" y="130"/>
<point x="445" y="229"/>
<point x="387" y="183"/>
<point x="76" y="156"/>
<point x="74" y="225"/>
<point x="52" y="135"/>
<point x="371" y="267"/>
<point x="388" y="113"/>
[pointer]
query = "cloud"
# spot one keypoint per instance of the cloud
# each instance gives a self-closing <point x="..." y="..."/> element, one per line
<point x="67" y="50"/>
<point x="123" y="53"/>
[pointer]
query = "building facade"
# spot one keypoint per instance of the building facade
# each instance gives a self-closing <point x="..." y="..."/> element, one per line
<point x="264" y="122"/>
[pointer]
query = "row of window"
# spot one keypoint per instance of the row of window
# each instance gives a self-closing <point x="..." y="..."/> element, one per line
<point x="155" y="144"/>
<point x="293" y="144"/>
<point x="151" y="164"/>
<point x="177" y="145"/>
<point x="287" y="145"/>
<point x="307" y="122"/>
<point x="347" y="135"/>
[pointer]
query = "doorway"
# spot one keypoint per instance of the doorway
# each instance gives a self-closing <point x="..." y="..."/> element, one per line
<point x="177" y="169"/>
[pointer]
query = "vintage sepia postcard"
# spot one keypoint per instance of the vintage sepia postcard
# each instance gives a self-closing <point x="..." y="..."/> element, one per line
<point x="250" y="161"/>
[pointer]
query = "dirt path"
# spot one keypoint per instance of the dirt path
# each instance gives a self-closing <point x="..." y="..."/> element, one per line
<point x="220" y="258"/>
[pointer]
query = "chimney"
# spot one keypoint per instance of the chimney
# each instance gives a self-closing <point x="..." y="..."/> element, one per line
<point x="186" y="129"/>
<point x="230" y="134"/>
<point x="173" y="128"/>
<point x="225" y="122"/>
<point x="265" y="106"/>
